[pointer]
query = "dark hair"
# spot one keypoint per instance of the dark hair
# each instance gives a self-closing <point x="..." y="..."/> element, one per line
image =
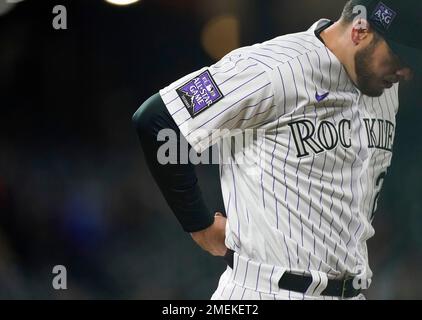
<point x="347" y="15"/>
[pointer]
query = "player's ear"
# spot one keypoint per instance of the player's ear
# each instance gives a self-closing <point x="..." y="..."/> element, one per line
<point x="360" y="31"/>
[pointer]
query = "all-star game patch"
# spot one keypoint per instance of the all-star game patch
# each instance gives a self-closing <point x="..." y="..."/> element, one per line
<point x="199" y="93"/>
<point x="383" y="15"/>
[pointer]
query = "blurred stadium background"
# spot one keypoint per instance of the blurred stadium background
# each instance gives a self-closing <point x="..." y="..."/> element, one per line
<point x="74" y="189"/>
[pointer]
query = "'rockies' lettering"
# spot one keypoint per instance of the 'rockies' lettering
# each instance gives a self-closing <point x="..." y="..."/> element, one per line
<point x="380" y="134"/>
<point x="326" y="137"/>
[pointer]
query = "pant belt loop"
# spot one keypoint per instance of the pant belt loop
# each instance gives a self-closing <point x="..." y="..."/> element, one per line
<point x="319" y="283"/>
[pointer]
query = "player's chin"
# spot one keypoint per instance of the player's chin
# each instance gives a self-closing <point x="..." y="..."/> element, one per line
<point x="374" y="91"/>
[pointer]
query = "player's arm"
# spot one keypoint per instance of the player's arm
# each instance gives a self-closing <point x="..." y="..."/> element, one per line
<point x="235" y="93"/>
<point x="178" y="182"/>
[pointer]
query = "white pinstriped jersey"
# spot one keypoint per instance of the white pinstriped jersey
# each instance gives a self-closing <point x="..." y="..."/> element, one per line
<point x="321" y="161"/>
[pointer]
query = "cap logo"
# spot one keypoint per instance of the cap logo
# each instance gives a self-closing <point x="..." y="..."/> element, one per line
<point x="383" y="15"/>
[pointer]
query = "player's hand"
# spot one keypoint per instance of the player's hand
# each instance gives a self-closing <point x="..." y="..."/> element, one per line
<point x="212" y="239"/>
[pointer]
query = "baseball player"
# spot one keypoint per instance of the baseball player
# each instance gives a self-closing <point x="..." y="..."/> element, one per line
<point x="326" y="101"/>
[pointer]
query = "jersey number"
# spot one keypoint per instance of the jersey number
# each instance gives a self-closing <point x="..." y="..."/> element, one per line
<point x="378" y="186"/>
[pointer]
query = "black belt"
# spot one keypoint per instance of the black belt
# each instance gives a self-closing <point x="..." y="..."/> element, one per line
<point x="301" y="283"/>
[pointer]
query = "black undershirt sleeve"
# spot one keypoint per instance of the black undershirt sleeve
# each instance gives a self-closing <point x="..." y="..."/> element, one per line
<point x="177" y="182"/>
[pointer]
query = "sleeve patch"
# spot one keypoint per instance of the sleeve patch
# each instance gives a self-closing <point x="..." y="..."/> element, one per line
<point x="199" y="93"/>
